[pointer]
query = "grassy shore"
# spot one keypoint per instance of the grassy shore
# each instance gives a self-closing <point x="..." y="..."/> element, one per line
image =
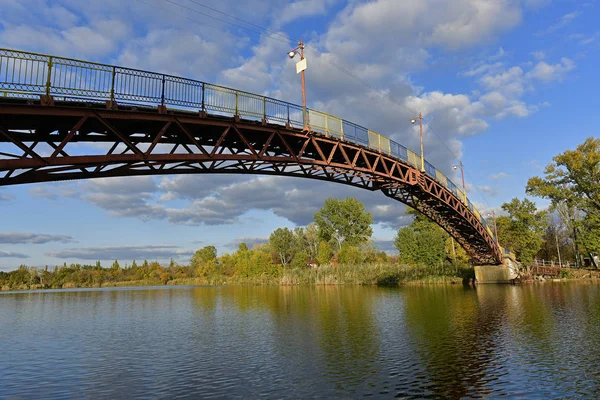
<point x="364" y="274"/>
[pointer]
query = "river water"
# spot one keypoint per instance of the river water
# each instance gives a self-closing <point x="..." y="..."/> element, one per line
<point x="539" y="341"/>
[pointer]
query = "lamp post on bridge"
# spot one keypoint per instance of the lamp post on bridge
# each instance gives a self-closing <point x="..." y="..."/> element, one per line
<point x="493" y="215"/>
<point x="300" y="68"/>
<point x="413" y="121"/>
<point x="462" y="172"/>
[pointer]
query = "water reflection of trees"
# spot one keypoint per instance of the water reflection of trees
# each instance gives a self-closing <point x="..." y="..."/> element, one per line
<point x="554" y="326"/>
<point x="456" y="332"/>
<point x="459" y="341"/>
<point x="531" y="340"/>
<point x="328" y="331"/>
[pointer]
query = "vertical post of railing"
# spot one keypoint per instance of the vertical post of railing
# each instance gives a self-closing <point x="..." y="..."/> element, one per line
<point x="203" y="91"/>
<point x="236" y="102"/>
<point x="49" y="80"/>
<point x="162" y="96"/>
<point x="265" y="109"/>
<point x="342" y="128"/>
<point x="288" y="112"/>
<point x="379" y="141"/>
<point x="112" y="88"/>
<point x="326" y="125"/>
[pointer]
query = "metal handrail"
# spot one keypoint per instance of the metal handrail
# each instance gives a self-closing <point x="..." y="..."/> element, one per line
<point x="23" y="73"/>
<point x="553" y="263"/>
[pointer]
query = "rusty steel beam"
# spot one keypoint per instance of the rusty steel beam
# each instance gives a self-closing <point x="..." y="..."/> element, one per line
<point x="213" y="144"/>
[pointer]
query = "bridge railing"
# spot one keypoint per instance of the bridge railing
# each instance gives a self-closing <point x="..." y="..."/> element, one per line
<point x="25" y="74"/>
<point x="553" y="263"/>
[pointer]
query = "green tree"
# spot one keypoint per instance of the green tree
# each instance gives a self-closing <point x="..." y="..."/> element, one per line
<point x="204" y="261"/>
<point x="523" y="228"/>
<point x="241" y="260"/>
<point x="574" y="176"/>
<point x="351" y="255"/>
<point x="311" y="235"/>
<point x="324" y="253"/>
<point x="282" y="242"/>
<point x="590" y="233"/>
<point x="261" y="262"/>
<point x="572" y="182"/>
<point x="207" y="253"/>
<point x="423" y="242"/>
<point x="455" y="252"/>
<point x="341" y="221"/>
<point x="300" y="241"/>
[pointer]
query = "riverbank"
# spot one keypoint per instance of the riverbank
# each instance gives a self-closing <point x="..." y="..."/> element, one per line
<point x="390" y="275"/>
<point x="565" y="275"/>
<point x="363" y="274"/>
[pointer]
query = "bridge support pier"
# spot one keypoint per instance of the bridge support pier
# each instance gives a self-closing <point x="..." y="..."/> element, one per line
<point x="504" y="273"/>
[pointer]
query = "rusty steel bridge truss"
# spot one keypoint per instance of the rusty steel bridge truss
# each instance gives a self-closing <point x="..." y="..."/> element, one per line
<point x="145" y="142"/>
<point x="64" y="119"/>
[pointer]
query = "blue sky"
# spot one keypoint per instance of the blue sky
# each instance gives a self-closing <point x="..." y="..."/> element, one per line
<point x="504" y="84"/>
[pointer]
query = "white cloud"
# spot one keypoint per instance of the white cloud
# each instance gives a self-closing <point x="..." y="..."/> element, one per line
<point x="505" y="87"/>
<point x="250" y="241"/>
<point x="483" y="69"/>
<point x="260" y="72"/>
<point x="536" y="4"/>
<point x="428" y="22"/>
<point x="585" y="40"/>
<point x="488" y="190"/>
<point x="508" y="82"/>
<point x="499" y="176"/>
<point x="551" y="72"/>
<point x="6" y="196"/>
<point x="12" y="254"/>
<point x="33" y="238"/>
<point x="564" y="21"/>
<point x="42" y="192"/>
<point x="97" y="40"/>
<point x="151" y="252"/>
<point x="538" y="55"/>
<point x="180" y="52"/>
<point x="300" y="9"/>
<point x="222" y="199"/>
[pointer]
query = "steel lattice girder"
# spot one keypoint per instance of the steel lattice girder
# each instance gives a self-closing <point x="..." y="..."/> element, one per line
<point x="144" y="142"/>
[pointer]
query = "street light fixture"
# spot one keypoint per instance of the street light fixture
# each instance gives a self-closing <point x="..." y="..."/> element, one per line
<point x="493" y="215"/>
<point x="300" y="68"/>
<point x="462" y="172"/>
<point x="413" y="121"/>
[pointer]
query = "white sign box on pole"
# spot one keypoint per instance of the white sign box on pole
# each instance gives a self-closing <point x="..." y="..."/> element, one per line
<point x="300" y="66"/>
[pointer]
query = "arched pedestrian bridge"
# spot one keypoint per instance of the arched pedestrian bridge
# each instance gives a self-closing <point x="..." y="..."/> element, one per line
<point x="145" y="123"/>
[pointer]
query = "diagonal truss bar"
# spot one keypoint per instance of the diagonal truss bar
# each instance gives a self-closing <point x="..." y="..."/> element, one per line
<point x="21" y="145"/>
<point x="67" y="139"/>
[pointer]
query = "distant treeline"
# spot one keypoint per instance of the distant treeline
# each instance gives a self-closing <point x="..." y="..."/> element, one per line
<point x="337" y="248"/>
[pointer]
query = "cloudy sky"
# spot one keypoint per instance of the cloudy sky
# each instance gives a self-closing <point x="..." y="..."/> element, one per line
<point x="504" y="84"/>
